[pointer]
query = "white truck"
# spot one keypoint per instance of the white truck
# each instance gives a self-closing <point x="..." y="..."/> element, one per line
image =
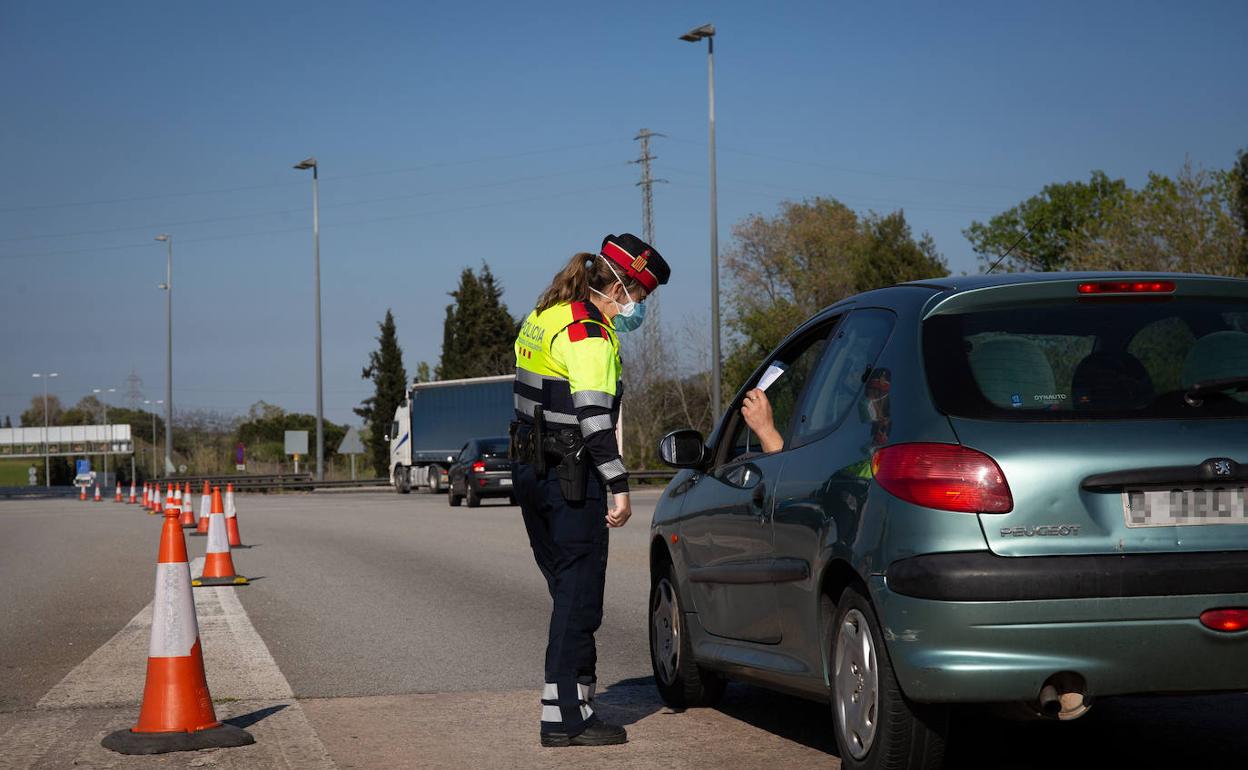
<point x="436" y="419"/>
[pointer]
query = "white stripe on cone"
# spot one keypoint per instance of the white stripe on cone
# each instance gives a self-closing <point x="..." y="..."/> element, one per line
<point x="174" y="627"/>
<point x="205" y="505"/>
<point x="230" y="511"/>
<point x="218" y="540"/>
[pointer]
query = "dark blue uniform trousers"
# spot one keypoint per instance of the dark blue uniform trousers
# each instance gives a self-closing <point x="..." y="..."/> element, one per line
<point x="569" y="542"/>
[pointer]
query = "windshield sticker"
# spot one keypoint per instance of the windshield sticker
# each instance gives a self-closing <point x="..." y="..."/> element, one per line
<point x="1016" y="400"/>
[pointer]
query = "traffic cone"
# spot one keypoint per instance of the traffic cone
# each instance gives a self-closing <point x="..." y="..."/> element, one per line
<point x="177" y="712"/>
<point x="147" y="496"/>
<point x="97" y="493"/>
<point x="117" y="497"/>
<point x="133" y="500"/>
<point x="158" y="508"/>
<point x="188" y="510"/>
<point x="82" y="492"/>
<point x="205" y="505"/>
<point x="231" y="518"/>
<point x="218" y="565"/>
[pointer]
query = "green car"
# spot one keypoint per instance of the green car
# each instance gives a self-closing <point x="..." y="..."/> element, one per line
<point x="1023" y="489"/>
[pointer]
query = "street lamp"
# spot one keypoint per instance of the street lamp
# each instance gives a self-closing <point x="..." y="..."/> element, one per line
<point x="101" y="393"/>
<point x="692" y="36"/>
<point x="47" y="469"/>
<point x="168" y="287"/>
<point x="153" y="435"/>
<point x="304" y="165"/>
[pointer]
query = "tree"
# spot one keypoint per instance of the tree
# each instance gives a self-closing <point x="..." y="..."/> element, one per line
<point x="479" y="333"/>
<point x="809" y="255"/>
<point x="1185" y="224"/>
<point x="8" y="421"/>
<point x="385" y="369"/>
<point x="423" y="372"/>
<point x="1239" y="182"/>
<point x="33" y="417"/>
<point x="1041" y="230"/>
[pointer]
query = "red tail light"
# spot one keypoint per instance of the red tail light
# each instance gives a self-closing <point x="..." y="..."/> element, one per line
<point x="947" y="477"/>
<point x="478" y="467"/>
<point x="1235" y="619"/>
<point x="1127" y="287"/>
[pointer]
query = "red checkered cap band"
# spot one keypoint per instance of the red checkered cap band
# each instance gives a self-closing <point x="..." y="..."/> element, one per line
<point x="634" y="266"/>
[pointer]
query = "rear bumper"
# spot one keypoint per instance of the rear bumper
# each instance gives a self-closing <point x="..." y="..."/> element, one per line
<point x="497" y="483"/>
<point x="998" y="651"/>
<point x="982" y="576"/>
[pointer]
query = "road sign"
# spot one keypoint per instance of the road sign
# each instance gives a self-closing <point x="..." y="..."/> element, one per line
<point x="240" y="454"/>
<point x="296" y="442"/>
<point x="351" y="444"/>
<point x="83" y="467"/>
<point x="181" y="469"/>
<point x="33" y="474"/>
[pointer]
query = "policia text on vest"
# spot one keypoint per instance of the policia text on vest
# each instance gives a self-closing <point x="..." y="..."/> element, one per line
<point x="567" y="464"/>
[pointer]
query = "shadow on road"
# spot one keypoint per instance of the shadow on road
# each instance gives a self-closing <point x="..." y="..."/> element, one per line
<point x="247" y="720"/>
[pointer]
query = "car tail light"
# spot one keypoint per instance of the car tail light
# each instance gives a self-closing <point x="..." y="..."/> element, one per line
<point x="478" y="467"/>
<point x="1127" y="287"/>
<point x="947" y="477"/>
<point x="1234" y="619"/>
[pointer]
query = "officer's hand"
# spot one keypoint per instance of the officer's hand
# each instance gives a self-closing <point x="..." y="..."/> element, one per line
<point x="621" y="510"/>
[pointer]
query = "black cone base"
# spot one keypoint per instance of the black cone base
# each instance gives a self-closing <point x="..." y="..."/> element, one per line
<point x="232" y="580"/>
<point x="199" y="534"/>
<point x="222" y="737"/>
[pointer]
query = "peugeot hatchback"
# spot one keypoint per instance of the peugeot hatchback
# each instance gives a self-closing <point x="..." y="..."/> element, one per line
<point x="1024" y="489"/>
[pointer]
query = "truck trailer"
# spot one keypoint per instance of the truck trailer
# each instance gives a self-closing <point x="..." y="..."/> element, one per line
<point x="436" y="419"/>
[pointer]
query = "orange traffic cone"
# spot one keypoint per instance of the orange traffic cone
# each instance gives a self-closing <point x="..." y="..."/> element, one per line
<point x="117" y="497"/>
<point x="147" y="496"/>
<point x="218" y="565"/>
<point x="205" y="505"/>
<point x="82" y="492"/>
<point x="177" y="712"/>
<point x="171" y="502"/>
<point x="97" y="493"/>
<point x="158" y="508"/>
<point x="133" y="500"/>
<point x="231" y="518"/>
<point x="188" y="510"/>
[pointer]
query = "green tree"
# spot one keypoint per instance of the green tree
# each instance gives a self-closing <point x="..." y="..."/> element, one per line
<point x="479" y="333"/>
<point x="1239" y="183"/>
<point x="33" y="417"/>
<point x="8" y="421"/>
<point x="785" y="268"/>
<point x="385" y="369"/>
<point x="1185" y="224"/>
<point x="1042" y="229"/>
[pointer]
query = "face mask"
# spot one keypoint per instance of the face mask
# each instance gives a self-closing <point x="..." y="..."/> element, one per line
<point x="631" y="313"/>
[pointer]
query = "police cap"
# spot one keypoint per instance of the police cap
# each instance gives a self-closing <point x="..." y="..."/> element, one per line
<point x="640" y="261"/>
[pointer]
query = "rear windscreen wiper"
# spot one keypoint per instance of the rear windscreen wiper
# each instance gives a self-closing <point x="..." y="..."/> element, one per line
<point x="1193" y="394"/>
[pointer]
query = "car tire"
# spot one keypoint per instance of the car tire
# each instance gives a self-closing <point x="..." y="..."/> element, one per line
<point x="453" y="499"/>
<point x="402" y="481"/>
<point x="682" y="683"/>
<point x="435" y="480"/>
<point x="474" y="500"/>
<point x="877" y="728"/>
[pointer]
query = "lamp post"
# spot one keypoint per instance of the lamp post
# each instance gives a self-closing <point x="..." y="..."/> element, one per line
<point x="153" y="435"/>
<point x="694" y="35"/>
<point x="47" y="465"/>
<point x="304" y="165"/>
<point x="168" y="287"/>
<point x="101" y="393"/>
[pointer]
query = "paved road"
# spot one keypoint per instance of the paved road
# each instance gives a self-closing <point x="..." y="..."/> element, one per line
<point x="412" y="635"/>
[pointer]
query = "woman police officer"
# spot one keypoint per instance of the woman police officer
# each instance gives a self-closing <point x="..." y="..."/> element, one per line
<point x="567" y="397"/>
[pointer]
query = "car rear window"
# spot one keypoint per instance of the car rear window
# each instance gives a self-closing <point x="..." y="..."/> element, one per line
<point x="1084" y="360"/>
<point x="496" y="448"/>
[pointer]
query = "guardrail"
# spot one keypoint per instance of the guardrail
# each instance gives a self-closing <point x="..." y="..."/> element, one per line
<point x="305" y="482"/>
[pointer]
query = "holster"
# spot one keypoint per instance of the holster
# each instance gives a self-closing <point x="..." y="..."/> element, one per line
<point x="537" y="446"/>
<point x="573" y="473"/>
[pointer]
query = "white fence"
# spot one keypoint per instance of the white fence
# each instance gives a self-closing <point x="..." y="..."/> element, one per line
<point x="66" y="440"/>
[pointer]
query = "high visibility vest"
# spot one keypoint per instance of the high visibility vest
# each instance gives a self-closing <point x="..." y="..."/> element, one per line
<point x="568" y="362"/>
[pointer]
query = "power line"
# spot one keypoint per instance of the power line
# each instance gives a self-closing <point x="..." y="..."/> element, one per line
<point x="647" y="183"/>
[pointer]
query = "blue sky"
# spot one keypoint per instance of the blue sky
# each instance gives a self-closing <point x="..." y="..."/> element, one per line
<point x="452" y="133"/>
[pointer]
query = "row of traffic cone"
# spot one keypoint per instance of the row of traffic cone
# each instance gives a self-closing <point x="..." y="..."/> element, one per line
<point x="177" y="712"/>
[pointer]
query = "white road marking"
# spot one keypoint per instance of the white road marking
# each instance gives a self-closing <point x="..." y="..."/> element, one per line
<point x="239" y="668"/>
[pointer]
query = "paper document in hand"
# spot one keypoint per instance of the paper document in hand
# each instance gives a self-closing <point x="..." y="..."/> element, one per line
<point x="771" y="375"/>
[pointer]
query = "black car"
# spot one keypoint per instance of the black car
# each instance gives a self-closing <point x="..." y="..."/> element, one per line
<point x="481" y="470"/>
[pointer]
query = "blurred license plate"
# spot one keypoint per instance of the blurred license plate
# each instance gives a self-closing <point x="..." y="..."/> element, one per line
<point x="1179" y="507"/>
<point x="507" y="483"/>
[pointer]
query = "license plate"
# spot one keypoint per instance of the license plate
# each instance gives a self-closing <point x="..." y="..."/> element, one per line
<point x="504" y="482"/>
<point x="1184" y="507"/>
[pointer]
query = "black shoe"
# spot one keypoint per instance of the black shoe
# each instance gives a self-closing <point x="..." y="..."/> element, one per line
<point x="597" y="734"/>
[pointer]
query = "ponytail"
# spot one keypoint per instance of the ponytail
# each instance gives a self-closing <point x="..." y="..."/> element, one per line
<point x="583" y="272"/>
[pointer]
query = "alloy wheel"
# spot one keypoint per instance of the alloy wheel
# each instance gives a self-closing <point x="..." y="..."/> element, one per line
<point x="665" y="631"/>
<point x="856" y="684"/>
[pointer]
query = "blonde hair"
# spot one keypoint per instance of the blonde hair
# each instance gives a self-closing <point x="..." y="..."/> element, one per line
<point x="583" y="272"/>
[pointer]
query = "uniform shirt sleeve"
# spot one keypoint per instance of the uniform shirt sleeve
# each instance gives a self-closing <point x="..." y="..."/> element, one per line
<point x="593" y="372"/>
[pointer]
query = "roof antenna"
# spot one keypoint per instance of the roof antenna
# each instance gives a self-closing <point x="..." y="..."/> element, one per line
<point x="1013" y="246"/>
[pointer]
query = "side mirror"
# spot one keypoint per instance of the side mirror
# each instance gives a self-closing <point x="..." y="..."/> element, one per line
<point x="683" y="448"/>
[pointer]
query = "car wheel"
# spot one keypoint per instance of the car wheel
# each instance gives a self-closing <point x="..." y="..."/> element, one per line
<point x="876" y="727"/>
<point x="435" y="480"/>
<point x="681" y="681"/>
<point x="451" y="497"/>
<point x="474" y="500"/>
<point x="402" y="481"/>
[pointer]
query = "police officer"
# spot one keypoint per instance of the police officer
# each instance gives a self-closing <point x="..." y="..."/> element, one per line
<point x="567" y="395"/>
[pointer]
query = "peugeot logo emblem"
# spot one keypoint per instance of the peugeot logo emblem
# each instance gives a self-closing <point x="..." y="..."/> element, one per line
<point x="1222" y="467"/>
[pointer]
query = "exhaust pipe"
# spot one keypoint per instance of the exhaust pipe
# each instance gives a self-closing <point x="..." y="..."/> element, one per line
<point x="1064" y="697"/>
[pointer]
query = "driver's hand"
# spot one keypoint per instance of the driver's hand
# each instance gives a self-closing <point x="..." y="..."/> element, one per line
<point x="756" y="410"/>
<point x="620" y="511"/>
